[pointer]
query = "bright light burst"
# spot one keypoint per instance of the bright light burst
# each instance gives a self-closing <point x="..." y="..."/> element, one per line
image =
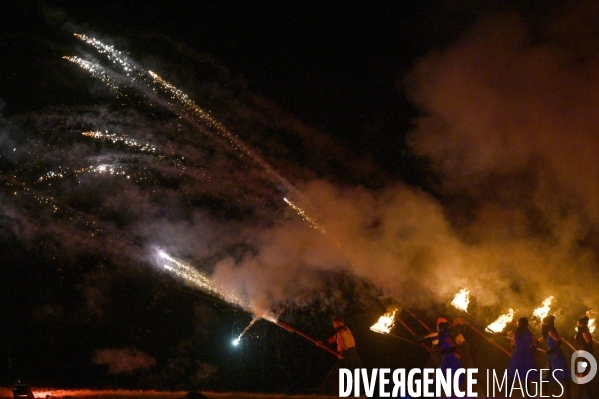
<point x="542" y="311"/>
<point x="238" y="339"/>
<point x="461" y="300"/>
<point x="385" y="323"/>
<point x="502" y="321"/>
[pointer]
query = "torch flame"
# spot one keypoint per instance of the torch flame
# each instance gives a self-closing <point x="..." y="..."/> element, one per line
<point x="498" y="325"/>
<point x="385" y="323"/>
<point x="461" y="300"/>
<point x="542" y="311"/>
<point x="591" y="316"/>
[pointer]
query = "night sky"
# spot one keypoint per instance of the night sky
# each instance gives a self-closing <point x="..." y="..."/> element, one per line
<point x="433" y="145"/>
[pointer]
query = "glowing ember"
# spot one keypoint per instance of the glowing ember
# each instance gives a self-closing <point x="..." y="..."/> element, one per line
<point x="542" y="311"/>
<point x="461" y="300"/>
<point x="498" y="325"/>
<point x="385" y="323"/>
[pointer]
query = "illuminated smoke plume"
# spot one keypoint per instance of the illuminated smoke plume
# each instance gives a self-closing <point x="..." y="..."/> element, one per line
<point x="508" y="124"/>
<point x="123" y="361"/>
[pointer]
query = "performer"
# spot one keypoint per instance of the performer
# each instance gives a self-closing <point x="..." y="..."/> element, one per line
<point x="585" y="342"/>
<point x="463" y="346"/>
<point x="522" y="360"/>
<point x="448" y="349"/>
<point x="556" y="361"/>
<point x="348" y="355"/>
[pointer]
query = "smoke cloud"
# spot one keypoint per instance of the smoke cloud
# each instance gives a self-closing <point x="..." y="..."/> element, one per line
<point x="123" y="360"/>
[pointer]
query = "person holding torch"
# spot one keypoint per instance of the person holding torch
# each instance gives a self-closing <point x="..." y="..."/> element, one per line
<point x="348" y="355"/>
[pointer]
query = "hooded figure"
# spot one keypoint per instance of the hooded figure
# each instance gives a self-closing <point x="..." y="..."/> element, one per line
<point x="556" y="361"/>
<point x="523" y="361"/>
<point x="448" y="349"/>
<point x="463" y="346"/>
<point x="585" y="342"/>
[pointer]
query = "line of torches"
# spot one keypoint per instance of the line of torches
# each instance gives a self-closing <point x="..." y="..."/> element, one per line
<point x="461" y="301"/>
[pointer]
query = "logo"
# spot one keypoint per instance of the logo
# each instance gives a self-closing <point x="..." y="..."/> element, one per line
<point x="584" y="367"/>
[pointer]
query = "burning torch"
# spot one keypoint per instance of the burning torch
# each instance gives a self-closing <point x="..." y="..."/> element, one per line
<point x="386" y="323"/>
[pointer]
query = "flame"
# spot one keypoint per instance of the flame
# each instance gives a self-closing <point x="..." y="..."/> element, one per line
<point x="385" y="323"/>
<point x="498" y="325"/>
<point x="591" y="316"/>
<point x="542" y="311"/>
<point x="461" y="300"/>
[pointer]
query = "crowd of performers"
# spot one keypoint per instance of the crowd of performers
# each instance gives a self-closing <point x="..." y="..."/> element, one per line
<point x="450" y="351"/>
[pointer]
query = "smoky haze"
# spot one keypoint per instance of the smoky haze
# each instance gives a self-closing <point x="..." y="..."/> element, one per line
<point x="509" y="123"/>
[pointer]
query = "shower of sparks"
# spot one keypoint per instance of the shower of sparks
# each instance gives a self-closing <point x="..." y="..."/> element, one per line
<point x="502" y="321"/>
<point x="115" y="170"/>
<point x="186" y="107"/>
<point x="385" y="323"/>
<point x="95" y="70"/>
<point x="191" y="109"/>
<point x="202" y="282"/>
<point x="121" y="138"/>
<point x="237" y="340"/>
<point x="307" y="217"/>
<point x="542" y="311"/>
<point x="115" y="56"/>
<point x="461" y="300"/>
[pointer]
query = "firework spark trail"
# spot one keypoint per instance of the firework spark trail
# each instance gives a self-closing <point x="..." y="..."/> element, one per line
<point x="315" y="225"/>
<point x="114" y="55"/>
<point x="95" y="70"/>
<point x="202" y="282"/>
<point x="190" y="108"/>
<point x="116" y="170"/>
<point x="191" y="112"/>
<point x="238" y="339"/>
<point x="128" y="141"/>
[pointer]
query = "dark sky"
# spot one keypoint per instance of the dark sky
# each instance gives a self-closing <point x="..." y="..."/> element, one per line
<point x="319" y="90"/>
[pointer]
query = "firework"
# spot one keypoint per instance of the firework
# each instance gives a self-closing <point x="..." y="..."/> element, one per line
<point x="96" y="70"/>
<point x="121" y="138"/>
<point x="115" y="56"/>
<point x="202" y="282"/>
<point x="237" y="340"/>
